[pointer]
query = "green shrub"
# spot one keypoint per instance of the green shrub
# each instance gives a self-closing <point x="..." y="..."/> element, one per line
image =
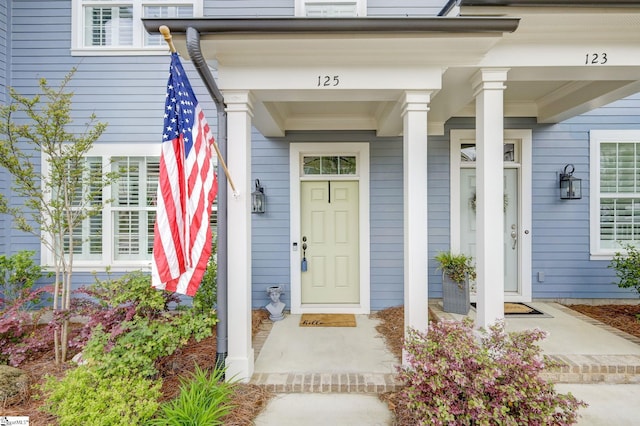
<point x="453" y="378"/>
<point x="203" y="400"/>
<point x="86" y="397"/>
<point x="140" y="342"/>
<point x="18" y="274"/>
<point x="205" y="299"/>
<point x="627" y="266"/>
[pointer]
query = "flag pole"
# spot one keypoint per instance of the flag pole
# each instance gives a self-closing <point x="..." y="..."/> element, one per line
<point x="166" y="33"/>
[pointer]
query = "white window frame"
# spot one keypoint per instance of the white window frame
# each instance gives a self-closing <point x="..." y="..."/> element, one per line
<point x="107" y="152"/>
<point x="361" y="6"/>
<point x="77" y="27"/>
<point x="596" y="137"/>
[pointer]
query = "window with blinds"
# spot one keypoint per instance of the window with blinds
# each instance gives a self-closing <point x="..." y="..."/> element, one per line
<point x="619" y="193"/>
<point x="86" y="238"/>
<point x="112" y="25"/>
<point x="122" y="233"/>
<point x="134" y="207"/>
<point x="615" y="190"/>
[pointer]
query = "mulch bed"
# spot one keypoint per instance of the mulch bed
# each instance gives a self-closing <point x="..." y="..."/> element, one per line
<point x="622" y="317"/>
<point x="248" y="399"/>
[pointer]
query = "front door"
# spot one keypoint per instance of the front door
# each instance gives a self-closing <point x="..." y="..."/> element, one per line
<point x="330" y="242"/>
<point x="516" y="207"/>
<point x="510" y="223"/>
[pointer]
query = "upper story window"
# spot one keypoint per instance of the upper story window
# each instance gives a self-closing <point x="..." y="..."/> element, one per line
<point x="615" y="191"/>
<point x="331" y="8"/>
<point x="110" y="27"/>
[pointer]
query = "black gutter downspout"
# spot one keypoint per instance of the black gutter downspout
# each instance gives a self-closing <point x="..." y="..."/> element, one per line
<point x="195" y="52"/>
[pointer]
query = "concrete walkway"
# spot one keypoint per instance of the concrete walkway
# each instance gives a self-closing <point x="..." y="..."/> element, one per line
<point x="331" y="376"/>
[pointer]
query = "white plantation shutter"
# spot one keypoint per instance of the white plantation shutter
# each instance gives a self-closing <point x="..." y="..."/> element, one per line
<point x="87" y="235"/>
<point x="134" y="206"/>
<point x="108" y="26"/>
<point x="619" y="193"/>
<point x="121" y="234"/>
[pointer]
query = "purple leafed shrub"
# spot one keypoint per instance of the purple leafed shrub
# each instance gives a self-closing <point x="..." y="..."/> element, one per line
<point x="20" y="335"/>
<point x="456" y="375"/>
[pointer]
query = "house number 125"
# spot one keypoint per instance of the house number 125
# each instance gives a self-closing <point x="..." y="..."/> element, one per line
<point x="328" y="81"/>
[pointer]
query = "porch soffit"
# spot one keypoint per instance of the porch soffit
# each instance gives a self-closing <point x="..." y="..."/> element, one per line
<point x="548" y="79"/>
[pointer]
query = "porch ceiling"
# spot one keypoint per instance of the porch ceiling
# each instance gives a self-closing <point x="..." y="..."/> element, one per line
<point x="549" y="56"/>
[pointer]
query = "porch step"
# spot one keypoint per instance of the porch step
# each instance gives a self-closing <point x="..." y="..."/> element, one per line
<point x="612" y="369"/>
<point x="305" y="382"/>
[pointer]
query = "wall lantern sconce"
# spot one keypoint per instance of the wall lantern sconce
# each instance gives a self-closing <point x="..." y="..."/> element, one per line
<point x="570" y="187"/>
<point x="258" y="199"/>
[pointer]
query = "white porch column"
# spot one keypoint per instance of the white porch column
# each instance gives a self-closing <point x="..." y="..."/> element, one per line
<point x="489" y="89"/>
<point x="414" y="146"/>
<point x="239" y="361"/>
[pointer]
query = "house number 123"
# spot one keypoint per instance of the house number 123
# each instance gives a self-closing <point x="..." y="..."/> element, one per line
<point x="328" y="80"/>
<point x="596" y="58"/>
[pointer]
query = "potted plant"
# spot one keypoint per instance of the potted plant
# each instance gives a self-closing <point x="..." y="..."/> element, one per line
<point x="457" y="271"/>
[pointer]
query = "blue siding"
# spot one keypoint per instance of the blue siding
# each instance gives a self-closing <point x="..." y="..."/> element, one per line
<point x="561" y="228"/>
<point x="386" y="223"/>
<point x="4" y="82"/>
<point x="270" y="231"/>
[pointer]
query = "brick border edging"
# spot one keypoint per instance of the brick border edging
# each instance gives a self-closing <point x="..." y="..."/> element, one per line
<point x="374" y="383"/>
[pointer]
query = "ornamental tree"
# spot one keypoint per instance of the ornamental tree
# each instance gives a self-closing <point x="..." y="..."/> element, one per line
<point x="58" y="188"/>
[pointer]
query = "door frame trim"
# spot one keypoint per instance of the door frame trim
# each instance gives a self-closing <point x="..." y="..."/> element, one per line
<point x="361" y="150"/>
<point x="524" y="208"/>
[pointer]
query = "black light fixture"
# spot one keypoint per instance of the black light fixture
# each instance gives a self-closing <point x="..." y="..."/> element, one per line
<point x="258" y="199"/>
<point x="570" y="187"/>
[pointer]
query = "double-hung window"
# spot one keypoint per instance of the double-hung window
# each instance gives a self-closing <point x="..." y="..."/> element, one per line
<point x="115" y="27"/>
<point x="121" y="235"/>
<point x="615" y="191"/>
<point x="331" y="8"/>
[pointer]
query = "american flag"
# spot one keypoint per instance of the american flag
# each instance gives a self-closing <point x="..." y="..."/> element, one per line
<point x="187" y="187"/>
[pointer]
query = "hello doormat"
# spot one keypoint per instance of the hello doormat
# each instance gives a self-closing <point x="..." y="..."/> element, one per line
<point x="328" y="320"/>
<point x="511" y="308"/>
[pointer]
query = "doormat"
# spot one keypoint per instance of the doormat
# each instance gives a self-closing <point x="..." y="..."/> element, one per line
<point x="328" y="320"/>
<point x="511" y="308"/>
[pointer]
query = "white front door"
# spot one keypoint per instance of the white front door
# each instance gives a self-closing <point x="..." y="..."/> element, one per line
<point x="509" y="230"/>
<point x="516" y="207"/>
<point x="330" y="245"/>
<point x="330" y="257"/>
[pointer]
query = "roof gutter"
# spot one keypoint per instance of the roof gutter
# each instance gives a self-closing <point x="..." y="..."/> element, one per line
<point x="195" y="52"/>
<point x="437" y="24"/>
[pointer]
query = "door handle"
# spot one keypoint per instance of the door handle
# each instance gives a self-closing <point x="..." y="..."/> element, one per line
<point x="514" y="239"/>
